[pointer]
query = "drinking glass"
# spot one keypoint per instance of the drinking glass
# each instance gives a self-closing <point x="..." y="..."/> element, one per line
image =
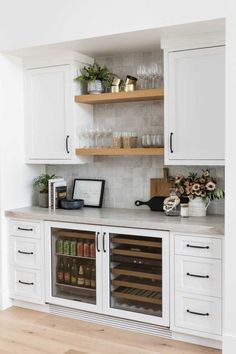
<point x="141" y="74"/>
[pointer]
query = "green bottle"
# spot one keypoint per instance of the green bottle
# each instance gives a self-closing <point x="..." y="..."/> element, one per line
<point x="74" y="273"/>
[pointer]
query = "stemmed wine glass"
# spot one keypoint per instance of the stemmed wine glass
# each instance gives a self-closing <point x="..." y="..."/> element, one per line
<point x="141" y="74"/>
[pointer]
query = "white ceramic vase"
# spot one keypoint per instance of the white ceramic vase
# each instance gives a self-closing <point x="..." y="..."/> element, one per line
<point x="197" y="207"/>
<point x="95" y="87"/>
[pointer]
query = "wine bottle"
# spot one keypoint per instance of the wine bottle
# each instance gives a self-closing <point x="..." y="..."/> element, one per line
<point x="87" y="278"/>
<point x="80" y="279"/>
<point x="74" y="273"/>
<point x="93" y="277"/>
<point x="67" y="272"/>
<point x="60" y="270"/>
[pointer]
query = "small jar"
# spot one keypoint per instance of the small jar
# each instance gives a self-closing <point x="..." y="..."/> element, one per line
<point x="184" y="210"/>
<point x="117" y="140"/>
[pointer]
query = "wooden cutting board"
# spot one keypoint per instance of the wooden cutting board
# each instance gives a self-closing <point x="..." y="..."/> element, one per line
<point x="159" y="187"/>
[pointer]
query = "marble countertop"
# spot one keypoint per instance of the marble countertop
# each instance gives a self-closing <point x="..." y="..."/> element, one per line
<point x="210" y="225"/>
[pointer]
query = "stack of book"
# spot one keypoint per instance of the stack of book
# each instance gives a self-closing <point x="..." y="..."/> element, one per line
<point x="57" y="190"/>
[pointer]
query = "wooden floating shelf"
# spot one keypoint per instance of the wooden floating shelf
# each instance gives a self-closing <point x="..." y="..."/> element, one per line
<point x="118" y="97"/>
<point x="120" y="152"/>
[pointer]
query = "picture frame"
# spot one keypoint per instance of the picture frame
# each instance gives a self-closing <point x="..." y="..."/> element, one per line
<point x="91" y="190"/>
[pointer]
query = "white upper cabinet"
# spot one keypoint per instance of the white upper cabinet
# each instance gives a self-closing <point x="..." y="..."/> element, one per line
<point x="195" y="106"/>
<point x="53" y="120"/>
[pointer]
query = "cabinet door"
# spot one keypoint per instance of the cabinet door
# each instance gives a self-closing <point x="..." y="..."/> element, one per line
<point x="136" y="274"/>
<point x="74" y="269"/>
<point x="48" y="113"/>
<point x="195" y="106"/>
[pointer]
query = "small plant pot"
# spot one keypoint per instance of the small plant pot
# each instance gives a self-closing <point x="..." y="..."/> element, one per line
<point x="43" y="200"/>
<point x="95" y="87"/>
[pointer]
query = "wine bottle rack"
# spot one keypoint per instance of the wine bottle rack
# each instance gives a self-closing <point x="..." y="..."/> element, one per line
<point x="136" y="267"/>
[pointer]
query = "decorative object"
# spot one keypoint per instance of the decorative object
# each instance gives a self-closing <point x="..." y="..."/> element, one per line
<point x="184" y="210"/>
<point x="200" y="190"/>
<point x="96" y="76"/>
<point x="41" y="184"/>
<point x="91" y="190"/>
<point x="72" y="203"/>
<point x="171" y="204"/>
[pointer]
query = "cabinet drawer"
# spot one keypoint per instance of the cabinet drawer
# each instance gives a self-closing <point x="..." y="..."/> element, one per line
<point x="206" y="247"/>
<point x="25" y="252"/>
<point x="198" y="275"/>
<point x="26" y="284"/>
<point x="200" y="313"/>
<point x="25" y="228"/>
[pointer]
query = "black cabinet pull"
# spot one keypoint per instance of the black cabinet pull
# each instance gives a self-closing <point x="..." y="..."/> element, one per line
<point x="23" y="229"/>
<point x="98" y="233"/>
<point x="23" y="252"/>
<point x="25" y="283"/>
<point x="67" y="144"/>
<point x="198" y="276"/>
<point x="103" y="242"/>
<point x="171" y="142"/>
<point x="201" y="247"/>
<point x="198" y="313"/>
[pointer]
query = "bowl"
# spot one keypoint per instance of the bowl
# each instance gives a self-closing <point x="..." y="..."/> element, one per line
<point x="72" y="203"/>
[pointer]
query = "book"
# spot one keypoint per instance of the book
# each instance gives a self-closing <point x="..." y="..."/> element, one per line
<point x="51" y="183"/>
<point x="60" y="192"/>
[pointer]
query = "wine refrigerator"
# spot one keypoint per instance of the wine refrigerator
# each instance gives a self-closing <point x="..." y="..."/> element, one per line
<point x="122" y="272"/>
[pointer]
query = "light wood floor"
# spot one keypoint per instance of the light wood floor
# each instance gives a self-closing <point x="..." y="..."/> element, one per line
<point x="25" y="331"/>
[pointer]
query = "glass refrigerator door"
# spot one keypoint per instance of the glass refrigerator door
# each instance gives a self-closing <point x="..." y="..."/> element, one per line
<point x="136" y="282"/>
<point x="73" y="265"/>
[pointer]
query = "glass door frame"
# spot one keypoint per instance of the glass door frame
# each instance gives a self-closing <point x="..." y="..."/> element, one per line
<point x="48" y="267"/>
<point x="107" y="309"/>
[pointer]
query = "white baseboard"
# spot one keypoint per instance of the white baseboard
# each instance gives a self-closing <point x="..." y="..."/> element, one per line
<point x="207" y="342"/>
<point x="229" y="344"/>
<point x="31" y="306"/>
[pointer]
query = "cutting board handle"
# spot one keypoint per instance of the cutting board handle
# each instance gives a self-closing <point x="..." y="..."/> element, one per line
<point x="166" y="172"/>
<point x="138" y="203"/>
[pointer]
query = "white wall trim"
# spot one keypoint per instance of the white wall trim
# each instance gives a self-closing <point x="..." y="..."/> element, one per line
<point x="229" y="344"/>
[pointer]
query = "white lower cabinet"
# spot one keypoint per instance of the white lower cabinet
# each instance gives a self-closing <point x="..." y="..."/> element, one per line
<point x="131" y="267"/>
<point x="26" y="284"/>
<point x="26" y="261"/>
<point x="197" y="285"/>
<point x="198" y="313"/>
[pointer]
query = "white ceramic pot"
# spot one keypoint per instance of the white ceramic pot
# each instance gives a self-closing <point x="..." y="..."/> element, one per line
<point x="95" y="87"/>
<point x="197" y="207"/>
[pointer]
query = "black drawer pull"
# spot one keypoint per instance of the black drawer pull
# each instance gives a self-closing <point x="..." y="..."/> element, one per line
<point x="23" y="252"/>
<point x="23" y="229"/>
<point x="25" y="283"/>
<point x="198" y="276"/>
<point x="198" y="313"/>
<point x="201" y="247"/>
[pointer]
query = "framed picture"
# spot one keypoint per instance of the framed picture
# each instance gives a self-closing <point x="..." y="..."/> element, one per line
<point x="91" y="190"/>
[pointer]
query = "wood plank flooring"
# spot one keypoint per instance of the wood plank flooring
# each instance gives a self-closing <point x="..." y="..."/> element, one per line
<point x="29" y="332"/>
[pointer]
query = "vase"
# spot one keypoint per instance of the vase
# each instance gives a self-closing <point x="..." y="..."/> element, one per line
<point x="95" y="87"/>
<point x="43" y="200"/>
<point x="197" y="207"/>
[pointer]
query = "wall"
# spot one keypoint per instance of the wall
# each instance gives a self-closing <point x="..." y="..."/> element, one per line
<point x="230" y="239"/>
<point x="29" y="23"/>
<point x="128" y="178"/>
<point x="15" y="176"/>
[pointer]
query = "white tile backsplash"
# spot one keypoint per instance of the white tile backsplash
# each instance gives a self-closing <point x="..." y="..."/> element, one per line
<point x="128" y="178"/>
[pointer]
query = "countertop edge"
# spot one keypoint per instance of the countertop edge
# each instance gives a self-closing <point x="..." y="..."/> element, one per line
<point x="103" y="221"/>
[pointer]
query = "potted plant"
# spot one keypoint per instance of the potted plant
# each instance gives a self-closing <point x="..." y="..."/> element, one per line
<point x="41" y="184"/>
<point x="96" y="76"/>
<point x="200" y="190"/>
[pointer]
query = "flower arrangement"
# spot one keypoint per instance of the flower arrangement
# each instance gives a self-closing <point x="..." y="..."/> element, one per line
<point x="94" y="72"/>
<point x="194" y="186"/>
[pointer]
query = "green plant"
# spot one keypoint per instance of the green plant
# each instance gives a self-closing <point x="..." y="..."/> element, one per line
<point x="41" y="182"/>
<point x="193" y="186"/>
<point x="94" y="72"/>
